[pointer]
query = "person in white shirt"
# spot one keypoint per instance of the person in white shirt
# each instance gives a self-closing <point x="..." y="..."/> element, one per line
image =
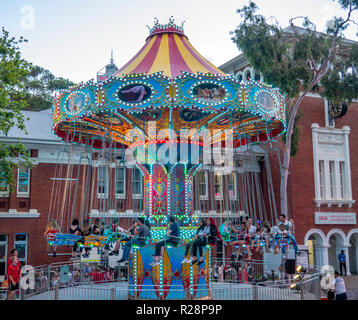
<point x="289" y="225"/>
<point x="340" y="287"/>
<point x="251" y="228"/>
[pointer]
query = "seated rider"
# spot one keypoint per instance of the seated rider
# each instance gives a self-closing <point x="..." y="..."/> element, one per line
<point x="260" y="238"/>
<point x="280" y="238"/>
<point x="225" y="230"/>
<point x="242" y="239"/>
<point x="141" y="235"/>
<point x="171" y="237"/>
<point x="190" y="243"/>
<point x="208" y="235"/>
<point x="92" y="230"/>
<point x="75" y="229"/>
<point x="128" y="235"/>
<point x="52" y="229"/>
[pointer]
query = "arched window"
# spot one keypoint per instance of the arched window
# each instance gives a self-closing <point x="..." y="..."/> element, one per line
<point x="239" y="76"/>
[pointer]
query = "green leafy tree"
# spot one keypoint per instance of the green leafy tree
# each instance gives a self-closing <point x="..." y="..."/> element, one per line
<point x="40" y="86"/>
<point x="13" y="69"/>
<point x="298" y="61"/>
<point x="23" y="86"/>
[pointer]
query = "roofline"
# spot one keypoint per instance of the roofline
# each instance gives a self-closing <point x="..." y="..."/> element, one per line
<point x="241" y="60"/>
<point x="238" y="60"/>
<point x="30" y="140"/>
<point x="301" y="29"/>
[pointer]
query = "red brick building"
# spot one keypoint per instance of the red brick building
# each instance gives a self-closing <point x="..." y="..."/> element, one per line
<point x="323" y="180"/>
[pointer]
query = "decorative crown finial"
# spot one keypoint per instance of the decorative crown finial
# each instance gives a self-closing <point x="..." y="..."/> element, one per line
<point x="163" y="28"/>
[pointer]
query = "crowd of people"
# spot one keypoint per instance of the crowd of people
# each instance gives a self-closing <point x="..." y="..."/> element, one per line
<point x="73" y="276"/>
<point x="245" y="237"/>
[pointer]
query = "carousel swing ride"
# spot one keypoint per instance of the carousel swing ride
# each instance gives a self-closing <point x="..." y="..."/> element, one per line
<point x="167" y="97"/>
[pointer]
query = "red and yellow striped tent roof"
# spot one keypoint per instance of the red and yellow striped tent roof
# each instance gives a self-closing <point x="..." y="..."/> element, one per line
<point x="167" y="49"/>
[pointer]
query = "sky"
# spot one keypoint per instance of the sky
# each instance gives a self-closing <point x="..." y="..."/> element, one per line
<point x="74" y="38"/>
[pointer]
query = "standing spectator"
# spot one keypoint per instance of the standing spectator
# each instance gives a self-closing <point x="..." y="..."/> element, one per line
<point x="342" y="262"/>
<point x="76" y="276"/>
<point x="97" y="275"/>
<point x="108" y="276"/>
<point x="340" y="287"/>
<point x="56" y="278"/>
<point x="14" y="271"/>
<point x="216" y="272"/>
<point x="221" y="273"/>
<point x="43" y="281"/>
<point x="13" y="253"/>
<point x="233" y="273"/>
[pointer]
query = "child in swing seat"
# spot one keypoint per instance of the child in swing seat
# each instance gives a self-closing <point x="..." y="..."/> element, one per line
<point x="52" y="229"/>
<point x="260" y="239"/>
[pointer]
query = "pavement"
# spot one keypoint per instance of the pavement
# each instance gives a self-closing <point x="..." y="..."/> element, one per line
<point x="352" y="287"/>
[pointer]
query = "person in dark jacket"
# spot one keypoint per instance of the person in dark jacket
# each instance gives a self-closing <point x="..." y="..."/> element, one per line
<point x="190" y="243"/>
<point x="208" y="235"/>
<point x="171" y="237"/>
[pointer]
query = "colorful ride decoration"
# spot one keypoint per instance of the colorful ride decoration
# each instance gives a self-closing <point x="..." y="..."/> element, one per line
<point x="168" y="96"/>
<point x="166" y="280"/>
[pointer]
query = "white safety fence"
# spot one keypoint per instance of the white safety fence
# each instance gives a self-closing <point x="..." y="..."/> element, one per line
<point x="95" y="281"/>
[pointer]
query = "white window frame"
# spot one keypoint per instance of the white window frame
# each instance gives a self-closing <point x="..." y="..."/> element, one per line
<point x="342" y="179"/>
<point x="322" y="180"/>
<point x="26" y="242"/>
<point x="205" y="174"/>
<point x="337" y="142"/>
<point x="120" y="195"/>
<point x="234" y="184"/>
<point x="246" y="71"/>
<point x="22" y="194"/>
<point x="4" y="258"/>
<point x="104" y="194"/>
<point x="137" y="195"/>
<point x="239" y="74"/>
<point x="332" y="180"/>
<point x="220" y="197"/>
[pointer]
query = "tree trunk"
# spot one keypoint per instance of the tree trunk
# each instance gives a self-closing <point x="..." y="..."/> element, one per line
<point x="287" y="152"/>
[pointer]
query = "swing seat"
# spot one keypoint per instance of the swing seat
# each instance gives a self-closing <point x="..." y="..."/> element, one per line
<point x="143" y="244"/>
<point x="172" y="245"/>
<point x="95" y="241"/>
<point x="65" y="239"/>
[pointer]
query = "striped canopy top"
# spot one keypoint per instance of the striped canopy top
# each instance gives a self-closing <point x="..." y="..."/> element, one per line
<point x="167" y="49"/>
